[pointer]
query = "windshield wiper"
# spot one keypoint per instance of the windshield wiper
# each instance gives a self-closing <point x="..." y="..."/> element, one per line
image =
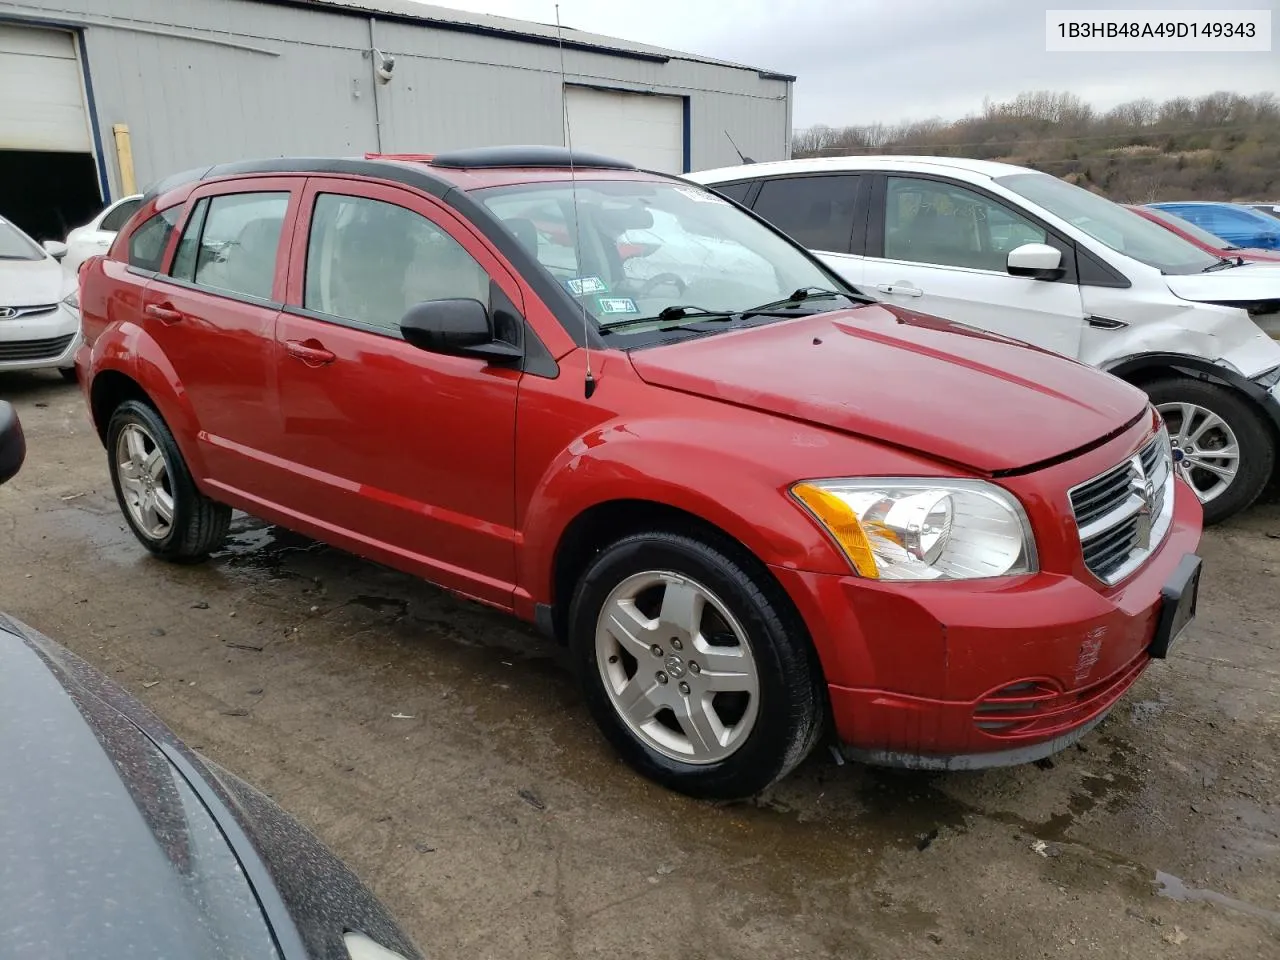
<point x="680" y="311"/>
<point x="1223" y="264"/>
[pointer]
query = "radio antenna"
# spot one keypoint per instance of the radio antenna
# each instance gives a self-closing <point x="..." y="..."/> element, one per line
<point x="741" y="156"/>
<point x="589" y="386"/>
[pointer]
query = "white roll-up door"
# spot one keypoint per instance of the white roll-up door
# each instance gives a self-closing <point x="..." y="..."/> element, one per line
<point x="643" y="129"/>
<point x="41" y="97"/>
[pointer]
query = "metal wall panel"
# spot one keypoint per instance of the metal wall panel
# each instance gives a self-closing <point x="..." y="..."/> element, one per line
<point x="201" y="81"/>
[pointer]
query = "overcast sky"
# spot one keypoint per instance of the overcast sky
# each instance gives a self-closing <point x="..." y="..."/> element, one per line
<point x="862" y="61"/>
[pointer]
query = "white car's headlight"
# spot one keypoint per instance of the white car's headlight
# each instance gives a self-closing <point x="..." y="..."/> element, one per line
<point x="919" y="529"/>
<point x="72" y="301"/>
<point x="362" y="948"/>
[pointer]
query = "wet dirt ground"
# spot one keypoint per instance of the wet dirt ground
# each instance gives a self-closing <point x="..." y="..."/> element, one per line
<point x="442" y="750"/>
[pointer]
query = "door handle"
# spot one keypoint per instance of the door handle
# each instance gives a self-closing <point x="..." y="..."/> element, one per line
<point x="309" y="352"/>
<point x="900" y="289"/>
<point x="164" y="312"/>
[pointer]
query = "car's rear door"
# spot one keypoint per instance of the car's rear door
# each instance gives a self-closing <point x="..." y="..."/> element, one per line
<point x="212" y="311"/>
<point x="941" y="247"/>
<point x="397" y="453"/>
<point x="821" y="212"/>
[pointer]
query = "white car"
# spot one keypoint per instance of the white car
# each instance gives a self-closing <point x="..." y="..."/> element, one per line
<point x="1027" y="255"/>
<point x="39" y="314"/>
<point x="96" y="236"/>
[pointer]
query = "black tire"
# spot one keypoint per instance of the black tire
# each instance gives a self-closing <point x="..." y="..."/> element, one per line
<point x="792" y="708"/>
<point x="69" y="374"/>
<point x="1254" y="436"/>
<point x="199" y="524"/>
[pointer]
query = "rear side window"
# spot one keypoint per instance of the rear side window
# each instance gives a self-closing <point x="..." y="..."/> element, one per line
<point x="816" y="211"/>
<point x="118" y="217"/>
<point x="230" y="243"/>
<point x="370" y="261"/>
<point x="737" y="192"/>
<point x="147" y="244"/>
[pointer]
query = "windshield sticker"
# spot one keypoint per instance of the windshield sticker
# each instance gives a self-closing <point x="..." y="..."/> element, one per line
<point x="581" y="286"/>
<point x="701" y="196"/>
<point x="617" y="305"/>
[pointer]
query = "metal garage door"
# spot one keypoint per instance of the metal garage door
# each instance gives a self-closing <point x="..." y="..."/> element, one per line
<point x="41" y="97"/>
<point x="646" y="130"/>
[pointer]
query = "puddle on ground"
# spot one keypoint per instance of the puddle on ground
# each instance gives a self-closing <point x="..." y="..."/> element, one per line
<point x="1175" y="889"/>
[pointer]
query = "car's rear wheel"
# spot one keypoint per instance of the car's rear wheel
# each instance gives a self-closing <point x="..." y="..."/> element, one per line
<point x="1221" y="446"/>
<point x="157" y="496"/>
<point x="694" y="666"/>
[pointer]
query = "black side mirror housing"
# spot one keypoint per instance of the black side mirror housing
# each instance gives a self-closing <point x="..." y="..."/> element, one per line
<point x="13" y="445"/>
<point x="456" y="327"/>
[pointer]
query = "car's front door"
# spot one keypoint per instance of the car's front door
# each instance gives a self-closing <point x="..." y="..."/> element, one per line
<point x="402" y="454"/>
<point x="942" y="248"/>
<point x="212" y="312"/>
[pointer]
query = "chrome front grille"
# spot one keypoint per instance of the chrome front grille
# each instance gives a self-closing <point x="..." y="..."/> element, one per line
<point x="1122" y="515"/>
<point x="13" y="313"/>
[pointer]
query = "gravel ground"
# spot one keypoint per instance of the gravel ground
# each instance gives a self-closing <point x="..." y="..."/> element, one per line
<point x="442" y="750"/>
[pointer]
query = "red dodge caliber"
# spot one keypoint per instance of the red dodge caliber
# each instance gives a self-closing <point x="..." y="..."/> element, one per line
<point x="757" y="507"/>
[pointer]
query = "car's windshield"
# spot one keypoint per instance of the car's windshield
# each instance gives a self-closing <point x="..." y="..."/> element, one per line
<point x="1110" y="224"/>
<point x="16" y="245"/>
<point x="646" y="247"/>
<point x="1189" y="228"/>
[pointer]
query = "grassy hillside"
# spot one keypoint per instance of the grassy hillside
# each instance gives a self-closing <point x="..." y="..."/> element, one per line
<point x="1218" y="147"/>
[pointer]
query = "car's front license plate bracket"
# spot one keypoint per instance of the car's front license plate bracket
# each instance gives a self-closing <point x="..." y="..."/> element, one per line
<point x="1178" y="598"/>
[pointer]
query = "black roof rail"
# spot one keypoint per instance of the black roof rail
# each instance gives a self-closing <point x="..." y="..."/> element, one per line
<point x="530" y="156"/>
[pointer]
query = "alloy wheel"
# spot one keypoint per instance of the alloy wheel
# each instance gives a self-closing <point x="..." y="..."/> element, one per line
<point x="677" y="667"/>
<point x="1206" y="452"/>
<point x="144" y="481"/>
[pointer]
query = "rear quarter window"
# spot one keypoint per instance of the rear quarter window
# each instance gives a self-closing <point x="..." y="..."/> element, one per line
<point x="118" y="217"/>
<point x="148" y="243"/>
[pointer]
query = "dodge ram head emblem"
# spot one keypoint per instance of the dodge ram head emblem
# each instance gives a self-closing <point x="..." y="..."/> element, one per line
<point x="1146" y="491"/>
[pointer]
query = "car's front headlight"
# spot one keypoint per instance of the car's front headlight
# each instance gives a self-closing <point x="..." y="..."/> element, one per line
<point x="72" y="301"/>
<point x="363" y="948"/>
<point x="920" y="529"/>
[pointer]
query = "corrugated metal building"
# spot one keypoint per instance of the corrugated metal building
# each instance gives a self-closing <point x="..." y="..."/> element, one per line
<point x="92" y="88"/>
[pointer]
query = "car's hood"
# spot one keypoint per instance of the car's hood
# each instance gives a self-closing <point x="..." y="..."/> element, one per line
<point x="947" y="391"/>
<point x="1248" y="283"/>
<point x="32" y="283"/>
<point x="107" y="850"/>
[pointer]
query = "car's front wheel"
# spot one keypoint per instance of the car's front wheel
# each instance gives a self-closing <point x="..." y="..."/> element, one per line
<point x="694" y="665"/>
<point x="1221" y="445"/>
<point x="157" y="496"/>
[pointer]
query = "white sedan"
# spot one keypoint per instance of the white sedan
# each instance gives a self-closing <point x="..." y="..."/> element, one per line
<point x="96" y="236"/>
<point x="39" y="313"/>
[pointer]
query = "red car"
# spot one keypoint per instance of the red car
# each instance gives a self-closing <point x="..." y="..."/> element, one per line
<point x="755" y="506"/>
<point x="1201" y="237"/>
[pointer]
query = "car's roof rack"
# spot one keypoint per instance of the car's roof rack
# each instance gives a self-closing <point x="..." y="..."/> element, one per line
<point x="530" y="156"/>
<point x="416" y="157"/>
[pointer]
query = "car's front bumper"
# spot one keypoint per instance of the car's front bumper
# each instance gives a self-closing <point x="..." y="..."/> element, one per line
<point x="40" y="340"/>
<point x="922" y="672"/>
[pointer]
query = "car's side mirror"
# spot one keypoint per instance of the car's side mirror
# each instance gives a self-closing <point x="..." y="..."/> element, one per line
<point x="55" y="248"/>
<point x="456" y="327"/>
<point x="1039" y="261"/>
<point x="13" y="445"/>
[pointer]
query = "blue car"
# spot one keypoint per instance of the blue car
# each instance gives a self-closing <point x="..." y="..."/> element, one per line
<point x="1239" y="225"/>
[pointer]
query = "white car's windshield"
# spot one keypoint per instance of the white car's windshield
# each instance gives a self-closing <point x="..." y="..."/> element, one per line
<point x="647" y="247"/>
<point x="16" y="245"/>
<point x="1110" y="224"/>
<point x="1187" y="227"/>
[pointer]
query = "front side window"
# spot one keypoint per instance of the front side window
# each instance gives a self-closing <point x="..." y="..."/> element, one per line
<point x="815" y="211"/>
<point x="147" y="243"/>
<point x="632" y="252"/>
<point x="16" y="245"/>
<point x="929" y="221"/>
<point x="120" y="215"/>
<point x="238" y="239"/>
<point x="1109" y="223"/>
<point x="370" y="261"/>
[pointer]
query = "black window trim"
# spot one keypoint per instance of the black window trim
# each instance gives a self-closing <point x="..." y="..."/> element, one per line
<point x="749" y="198"/>
<point x="879" y="209"/>
<point x="861" y="202"/>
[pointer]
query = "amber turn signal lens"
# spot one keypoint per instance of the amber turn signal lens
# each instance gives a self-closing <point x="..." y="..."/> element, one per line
<point x="842" y="523"/>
